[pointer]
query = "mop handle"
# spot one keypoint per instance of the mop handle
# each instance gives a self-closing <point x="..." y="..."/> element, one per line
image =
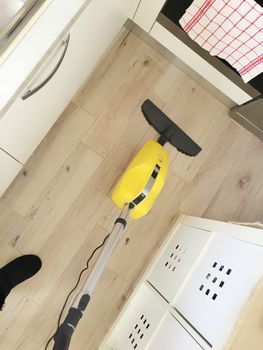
<point x="66" y="329"/>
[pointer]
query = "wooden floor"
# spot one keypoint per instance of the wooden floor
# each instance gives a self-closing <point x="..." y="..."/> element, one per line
<point x="59" y="206"/>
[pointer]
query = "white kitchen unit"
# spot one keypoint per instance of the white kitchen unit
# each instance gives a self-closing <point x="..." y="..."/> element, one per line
<point x="172" y="335"/>
<point x="9" y="168"/>
<point x="220" y="285"/>
<point x="178" y="259"/>
<point x="147" y="13"/>
<point x="65" y="67"/>
<point x="193" y="293"/>
<point x="146" y="18"/>
<point x="197" y="63"/>
<point x="138" y="324"/>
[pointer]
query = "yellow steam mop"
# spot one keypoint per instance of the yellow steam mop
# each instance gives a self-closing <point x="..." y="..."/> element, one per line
<point x="135" y="195"/>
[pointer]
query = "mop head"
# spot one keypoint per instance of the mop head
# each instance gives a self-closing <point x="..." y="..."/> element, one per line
<point x="168" y="130"/>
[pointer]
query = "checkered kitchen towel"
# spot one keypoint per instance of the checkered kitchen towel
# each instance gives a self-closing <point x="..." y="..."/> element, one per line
<point x="230" y="29"/>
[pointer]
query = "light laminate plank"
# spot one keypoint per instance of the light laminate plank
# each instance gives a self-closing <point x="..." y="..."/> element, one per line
<point x="57" y="198"/>
<point x="222" y="158"/>
<point x="96" y="94"/>
<point x="9" y="221"/>
<point x="50" y="156"/>
<point x="27" y="344"/>
<point x="240" y="197"/>
<point x="108" y="128"/>
<point x="14" y="319"/>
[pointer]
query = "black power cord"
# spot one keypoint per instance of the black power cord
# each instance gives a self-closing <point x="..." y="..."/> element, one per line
<point x="75" y="287"/>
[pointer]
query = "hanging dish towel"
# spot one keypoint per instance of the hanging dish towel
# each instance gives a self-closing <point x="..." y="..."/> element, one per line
<point x="229" y="29"/>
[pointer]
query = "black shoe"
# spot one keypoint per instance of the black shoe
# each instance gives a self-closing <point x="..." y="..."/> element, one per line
<point x="16" y="272"/>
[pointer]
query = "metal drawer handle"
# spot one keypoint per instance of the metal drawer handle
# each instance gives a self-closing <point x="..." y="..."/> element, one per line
<point x="31" y="92"/>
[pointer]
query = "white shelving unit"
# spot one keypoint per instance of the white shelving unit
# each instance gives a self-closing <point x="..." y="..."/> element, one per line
<point x="191" y="296"/>
<point x="171" y="335"/>
<point x="177" y="259"/>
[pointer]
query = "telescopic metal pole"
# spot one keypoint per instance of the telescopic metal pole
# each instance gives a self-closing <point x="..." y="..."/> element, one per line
<point x="66" y="329"/>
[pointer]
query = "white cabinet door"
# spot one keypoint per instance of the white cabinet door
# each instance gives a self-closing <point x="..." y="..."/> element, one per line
<point x="9" y="168"/>
<point x="128" y="7"/>
<point x="147" y="13"/>
<point x="27" y="121"/>
<point x="138" y="323"/>
<point x="176" y="261"/>
<point x="219" y="287"/>
<point x="170" y="335"/>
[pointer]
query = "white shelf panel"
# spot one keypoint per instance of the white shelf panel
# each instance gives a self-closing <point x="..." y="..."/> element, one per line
<point x="171" y="335"/>
<point x="177" y="259"/>
<point x="138" y="323"/>
<point x="221" y="283"/>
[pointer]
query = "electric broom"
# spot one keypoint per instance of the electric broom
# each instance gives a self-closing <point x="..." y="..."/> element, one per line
<point x="135" y="195"/>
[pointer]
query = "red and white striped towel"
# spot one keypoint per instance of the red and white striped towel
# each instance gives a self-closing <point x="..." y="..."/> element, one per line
<point x="230" y="29"/>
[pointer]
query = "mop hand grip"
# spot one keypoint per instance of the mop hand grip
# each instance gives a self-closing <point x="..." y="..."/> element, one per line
<point x="63" y="337"/>
<point x="66" y="329"/>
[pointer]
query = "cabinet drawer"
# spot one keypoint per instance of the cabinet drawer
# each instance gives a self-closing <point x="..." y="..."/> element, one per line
<point x="219" y="286"/>
<point x="27" y="121"/>
<point x="177" y="259"/>
<point x="171" y="335"/>
<point x="9" y="168"/>
<point x="147" y="13"/>
<point x="138" y="323"/>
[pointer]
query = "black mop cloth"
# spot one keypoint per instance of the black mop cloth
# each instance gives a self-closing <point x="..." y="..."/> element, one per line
<point x="16" y="272"/>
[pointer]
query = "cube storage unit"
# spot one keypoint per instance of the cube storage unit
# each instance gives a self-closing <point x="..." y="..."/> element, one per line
<point x="177" y="259"/>
<point x="219" y="286"/>
<point x="139" y="322"/>
<point x="172" y="335"/>
<point x="193" y="292"/>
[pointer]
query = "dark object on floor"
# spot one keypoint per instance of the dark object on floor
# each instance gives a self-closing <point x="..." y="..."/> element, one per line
<point x="16" y="272"/>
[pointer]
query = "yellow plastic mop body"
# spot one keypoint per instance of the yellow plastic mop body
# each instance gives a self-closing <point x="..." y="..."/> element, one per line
<point x="134" y="181"/>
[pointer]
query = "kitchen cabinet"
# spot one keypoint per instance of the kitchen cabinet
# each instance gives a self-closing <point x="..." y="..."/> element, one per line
<point x="138" y="324"/>
<point x="177" y="259"/>
<point x="9" y="168"/>
<point x="198" y="64"/>
<point x="150" y="19"/>
<point x="194" y="290"/>
<point x="249" y="115"/>
<point x="171" y="335"/>
<point x="220" y="284"/>
<point x="147" y="13"/>
<point x="65" y="68"/>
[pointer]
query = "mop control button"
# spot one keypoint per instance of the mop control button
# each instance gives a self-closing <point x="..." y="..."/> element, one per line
<point x="154" y="174"/>
<point x="139" y="199"/>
